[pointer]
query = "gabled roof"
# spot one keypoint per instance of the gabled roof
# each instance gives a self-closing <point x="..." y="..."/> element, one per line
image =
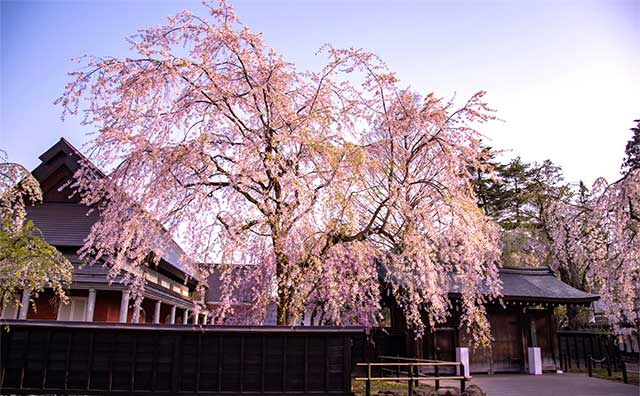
<point x="61" y="153"/>
<point x="540" y="284"/>
<point x="535" y="284"/>
<point x="65" y="222"/>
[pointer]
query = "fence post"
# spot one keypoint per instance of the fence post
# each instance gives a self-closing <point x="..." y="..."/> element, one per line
<point x="568" y="355"/>
<point x="410" y="390"/>
<point x="609" y="365"/>
<point x="584" y="348"/>
<point x="436" y="368"/>
<point x="367" y="384"/>
<point x="625" y="379"/>
<point x="464" y="378"/>
<point x="575" y="344"/>
<point x="589" y="364"/>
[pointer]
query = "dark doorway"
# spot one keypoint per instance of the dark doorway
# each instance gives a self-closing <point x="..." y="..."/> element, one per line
<point x="445" y="347"/>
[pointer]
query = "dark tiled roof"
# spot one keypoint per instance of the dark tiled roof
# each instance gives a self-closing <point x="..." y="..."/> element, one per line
<point x="214" y="292"/>
<point x="82" y="268"/>
<point x="173" y="254"/>
<point x="540" y="284"/>
<point x="63" y="224"/>
<point x="65" y="153"/>
<point x="96" y="276"/>
<point x="536" y="284"/>
<point x="68" y="224"/>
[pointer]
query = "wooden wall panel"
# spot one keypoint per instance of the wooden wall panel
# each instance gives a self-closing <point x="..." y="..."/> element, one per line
<point x="45" y="306"/>
<point x="74" y="358"/>
<point x="107" y="306"/>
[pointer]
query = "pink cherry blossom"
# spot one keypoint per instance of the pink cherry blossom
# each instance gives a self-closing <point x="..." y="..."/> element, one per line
<point x="318" y="182"/>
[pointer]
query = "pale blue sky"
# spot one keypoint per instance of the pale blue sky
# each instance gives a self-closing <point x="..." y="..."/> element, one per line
<point x="563" y="75"/>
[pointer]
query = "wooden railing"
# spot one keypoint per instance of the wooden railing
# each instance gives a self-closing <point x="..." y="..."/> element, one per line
<point x="410" y="370"/>
<point x="406" y="359"/>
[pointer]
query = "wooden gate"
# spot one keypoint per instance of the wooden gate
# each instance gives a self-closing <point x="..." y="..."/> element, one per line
<point x="507" y="351"/>
<point x="109" y="359"/>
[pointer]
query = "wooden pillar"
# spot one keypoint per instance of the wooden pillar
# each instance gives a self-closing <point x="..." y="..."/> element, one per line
<point x="185" y="316"/>
<point x="156" y="312"/>
<point x="24" y="307"/>
<point x="532" y="330"/>
<point x="124" y="306"/>
<point x="136" y="311"/>
<point x="524" y="326"/>
<point x="434" y="345"/>
<point x="553" y="336"/>
<point x="91" y="305"/>
<point x="172" y="317"/>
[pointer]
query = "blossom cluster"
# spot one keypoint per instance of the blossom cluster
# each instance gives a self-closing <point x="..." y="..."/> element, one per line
<point x="325" y="185"/>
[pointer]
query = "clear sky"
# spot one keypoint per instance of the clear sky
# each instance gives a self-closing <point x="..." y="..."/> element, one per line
<point x="563" y="75"/>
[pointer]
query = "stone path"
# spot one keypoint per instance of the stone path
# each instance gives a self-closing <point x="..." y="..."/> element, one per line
<point x="552" y="385"/>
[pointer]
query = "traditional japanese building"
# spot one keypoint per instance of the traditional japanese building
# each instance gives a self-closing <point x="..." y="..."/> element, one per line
<point x="524" y="319"/>
<point x="65" y="223"/>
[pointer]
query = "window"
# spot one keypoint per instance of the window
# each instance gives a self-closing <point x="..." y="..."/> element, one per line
<point x="386" y="317"/>
<point x="151" y="277"/>
<point x="75" y="310"/>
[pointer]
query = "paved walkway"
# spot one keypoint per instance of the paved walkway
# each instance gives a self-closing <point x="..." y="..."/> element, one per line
<point x="551" y="385"/>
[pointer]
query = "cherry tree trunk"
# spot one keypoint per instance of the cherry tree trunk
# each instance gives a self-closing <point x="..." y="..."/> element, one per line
<point x="284" y="288"/>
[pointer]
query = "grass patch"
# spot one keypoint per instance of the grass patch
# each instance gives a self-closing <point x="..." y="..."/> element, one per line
<point x="399" y="388"/>
<point x="634" y="378"/>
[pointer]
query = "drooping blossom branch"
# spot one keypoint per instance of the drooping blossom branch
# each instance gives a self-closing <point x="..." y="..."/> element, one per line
<point x="595" y="241"/>
<point x="320" y="181"/>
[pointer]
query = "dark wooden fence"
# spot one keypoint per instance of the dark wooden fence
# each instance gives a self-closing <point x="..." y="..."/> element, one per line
<point x="113" y="359"/>
<point x="577" y="347"/>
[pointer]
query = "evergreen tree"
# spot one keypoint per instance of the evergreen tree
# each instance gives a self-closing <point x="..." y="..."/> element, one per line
<point x="489" y="189"/>
<point x="632" y="150"/>
<point x="516" y="197"/>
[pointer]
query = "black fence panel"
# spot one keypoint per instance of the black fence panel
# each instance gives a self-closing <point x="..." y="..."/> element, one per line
<point x="576" y="347"/>
<point x="44" y="357"/>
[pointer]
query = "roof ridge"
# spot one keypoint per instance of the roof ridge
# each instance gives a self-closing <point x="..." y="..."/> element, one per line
<point x="546" y="270"/>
